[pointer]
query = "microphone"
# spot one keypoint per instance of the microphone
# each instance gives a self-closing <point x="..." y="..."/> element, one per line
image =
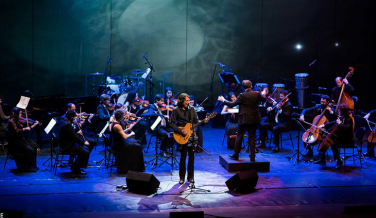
<point x="221" y="65"/>
<point x="322" y="88"/>
<point x="228" y="69"/>
<point x="143" y="55"/>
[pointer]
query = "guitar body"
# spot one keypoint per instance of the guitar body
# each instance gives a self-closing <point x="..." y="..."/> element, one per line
<point x="184" y="139"/>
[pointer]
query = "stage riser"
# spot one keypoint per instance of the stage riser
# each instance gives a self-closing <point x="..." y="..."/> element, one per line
<point x="244" y="163"/>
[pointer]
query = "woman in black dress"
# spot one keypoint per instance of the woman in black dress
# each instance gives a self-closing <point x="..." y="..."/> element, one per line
<point x="232" y="121"/>
<point x="127" y="150"/>
<point x="23" y="153"/>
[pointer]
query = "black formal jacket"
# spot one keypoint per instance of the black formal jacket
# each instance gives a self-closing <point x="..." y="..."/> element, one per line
<point x="249" y="112"/>
<point x="337" y="90"/>
<point x="103" y="116"/>
<point x="285" y="117"/>
<point x="316" y="110"/>
<point x="68" y="137"/>
<point x="345" y="134"/>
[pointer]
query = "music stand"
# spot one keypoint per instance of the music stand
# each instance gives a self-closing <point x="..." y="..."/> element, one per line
<point x="48" y="129"/>
<point x="297" y="151"/>
<point x="228" y="79"/>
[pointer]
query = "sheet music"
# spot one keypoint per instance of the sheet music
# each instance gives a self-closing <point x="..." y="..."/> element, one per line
<point x="50" y="125"/>
<point x="155" y="124"/>
<point x="24" y="101"/>
<point x="233" y="110"/>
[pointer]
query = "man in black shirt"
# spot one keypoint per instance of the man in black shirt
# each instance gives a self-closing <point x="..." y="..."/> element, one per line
<point x="181" y="115"/>
<point x="336" y="91"/>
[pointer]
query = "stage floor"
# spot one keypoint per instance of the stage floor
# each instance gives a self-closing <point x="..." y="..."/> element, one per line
<point x="304" y="190"/>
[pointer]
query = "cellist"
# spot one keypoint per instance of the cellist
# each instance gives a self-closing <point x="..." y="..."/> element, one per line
<point x="316" y="111"/>
<point x="370" y="144"/>
<point x="343" y="136"/>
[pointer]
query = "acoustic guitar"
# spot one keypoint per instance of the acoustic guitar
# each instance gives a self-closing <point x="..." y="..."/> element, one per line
<point x="184" y="139"/>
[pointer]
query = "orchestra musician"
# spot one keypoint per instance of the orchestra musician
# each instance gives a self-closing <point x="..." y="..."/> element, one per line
<point x="231" y="127"/>
<point x="141" y="127"/>
<point x="127" y="150"/>
<point x="198" y="129"/>
<point x="182" y="115"/>
<point x="170" y="97"/>
<point x="162" y="129"/>
<point x="370" y="146"/>
<point x="344" y="136"/>
<point x="316" y="111"/>
<point x="3" y="119"/>
<point x="79" y="124"/>
<point x="69" y="141"/>
<point x="249" y="117"/>
<point x="103" y="111"/>
<point x="18" y="145"/>
<point x="336" y="91"/>
<point x="278" y="121"/>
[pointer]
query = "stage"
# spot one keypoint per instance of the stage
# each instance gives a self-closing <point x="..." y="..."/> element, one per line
<point x="304" y="190"/>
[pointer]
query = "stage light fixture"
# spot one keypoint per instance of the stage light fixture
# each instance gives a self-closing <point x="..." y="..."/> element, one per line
<point x="298" y="46"/>
<point x="336" y="44"/>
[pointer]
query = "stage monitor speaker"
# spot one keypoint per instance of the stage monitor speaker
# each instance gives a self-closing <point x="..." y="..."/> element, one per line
<point x="243" y="182"/>
<point x="190" y="214"/>
<point x="11" y="213"/>
<point x="142" y="183"/>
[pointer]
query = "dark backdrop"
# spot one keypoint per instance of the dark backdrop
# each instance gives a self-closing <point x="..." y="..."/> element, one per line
<point x="49" y="47"/>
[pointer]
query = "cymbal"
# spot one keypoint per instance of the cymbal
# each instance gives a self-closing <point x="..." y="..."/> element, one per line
<point x="114" y="77"/>
<point x="96" y="74"/>
<point x="138" y="72"/>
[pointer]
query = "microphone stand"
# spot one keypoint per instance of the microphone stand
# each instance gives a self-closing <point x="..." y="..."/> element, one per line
<point x="105" y="75"/>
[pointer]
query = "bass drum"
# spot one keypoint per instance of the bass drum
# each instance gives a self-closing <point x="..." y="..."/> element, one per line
<point x="122" y="98"/>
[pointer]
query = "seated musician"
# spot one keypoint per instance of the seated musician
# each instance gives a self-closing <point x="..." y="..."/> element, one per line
<point x="18" y="146"/>
<point x="278" y="121"/>
<point x="231" y="127"/>
<point x="170" y="97"/>
<point x="162" y="129"/>
<point x="69" y="141"/>
<point x="316" y="111"/>
<point x="370" y="146"/>
<point x="3" y="119"/>
<point x="103" y="112"/>
<point x="181" y="116"/>
<point x="141" y="127"/>
<point x="336" y="91"/>
<point x="79" y="125"/>
<point x="198" y="130"/>
<point x="344" y="135"/>
<point x="127" y="150"/>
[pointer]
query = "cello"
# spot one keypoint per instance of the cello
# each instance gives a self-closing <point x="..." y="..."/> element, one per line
<point x="314" y="133"/>
<point x="344" y="97"/>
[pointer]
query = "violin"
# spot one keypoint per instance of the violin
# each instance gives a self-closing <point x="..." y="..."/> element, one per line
<point x="165" y="107"/>
<point x="111" y="106"/>
<point x="271" y="100"/>
<point x="132" y="117"/>
<point x="84" y="115"/>
<point x="30" y="121"/>
<point x="143" y="103"/>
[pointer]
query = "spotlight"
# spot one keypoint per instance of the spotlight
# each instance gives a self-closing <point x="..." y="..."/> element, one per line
<point x="336" y="44"/>
<point x="298" y="46"/>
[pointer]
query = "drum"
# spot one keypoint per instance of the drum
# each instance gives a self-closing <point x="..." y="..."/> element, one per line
<point x="277" y="87"/>
<point x="301" y="86"/>
<point x="111" y="89"/>
<point x="260" y="86"/>
<point x="122" y="98"/>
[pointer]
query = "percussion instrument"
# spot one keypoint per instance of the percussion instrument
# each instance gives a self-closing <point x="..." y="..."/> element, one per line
<point x="260" y="86"/>
<point x="277" y="87"/>
<point x="301" y="86"/>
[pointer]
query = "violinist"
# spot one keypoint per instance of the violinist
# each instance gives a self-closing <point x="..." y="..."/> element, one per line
<point x="77" y="147"/>
<point x="170" y="97"/>
<point x="18" y="145"/>
<point x="344" y="135"/>
<point x="269" y="100"/>
<point x="231" y="127"/>
<point x="336" y="91"/>
<point x="198" y="130"/>
<point x="78" y="126"/>
<point x="278" y="121"/>
<point x="162" y="129"/>
<point x="370" y="145"/>
<point x="141" y="127"/>
<point x="103" y="111"/>
<point x="316" y="111"/>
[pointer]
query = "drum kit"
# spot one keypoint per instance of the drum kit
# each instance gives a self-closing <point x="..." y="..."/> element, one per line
<point x="117" y="87"/>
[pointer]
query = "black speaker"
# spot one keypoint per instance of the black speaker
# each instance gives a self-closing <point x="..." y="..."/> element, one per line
<point x="190" y="214"/>
<point x="142" y="183"/>
<point x="243" y="182"/>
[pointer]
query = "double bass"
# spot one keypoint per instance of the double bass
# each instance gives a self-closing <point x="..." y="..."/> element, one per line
<point x="344" y="97"/>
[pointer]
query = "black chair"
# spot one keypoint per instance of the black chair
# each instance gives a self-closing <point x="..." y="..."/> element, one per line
<point x="61" y="162"/>
<point x="359" y="134"/>
<point x="281" y="139"/>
